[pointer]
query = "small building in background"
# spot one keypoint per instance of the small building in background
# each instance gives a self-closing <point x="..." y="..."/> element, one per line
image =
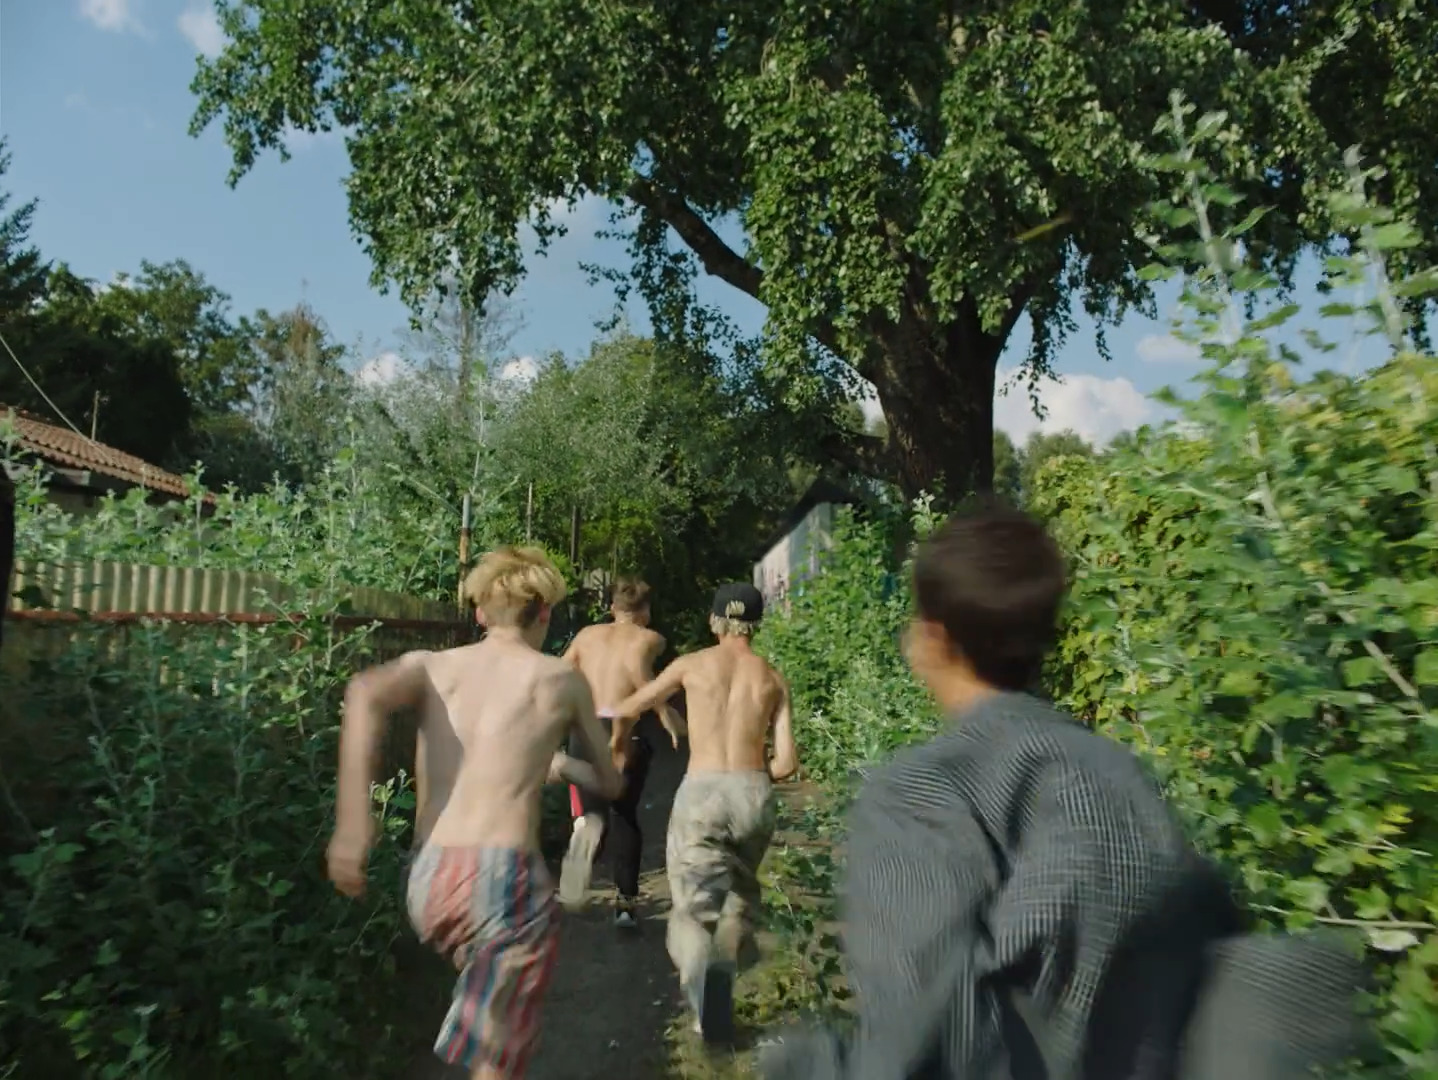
<point x="81" y="470"/>
<point x="806" y="531"/>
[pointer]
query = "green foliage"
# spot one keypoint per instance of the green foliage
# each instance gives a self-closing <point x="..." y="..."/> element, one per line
<point x="839" y="644"/>
<point x="167" y="794"/>
<point x="1255" y="604"/>
<point x="1041" y="448"/>
<point x="22" y="271"/>
<point x="76" y="347"/>
<point x="678" y="466"/>
<point x="907" y="195"/>
<point x="163" y="905"/>
<point x="172" y="303"/>
<point x="351" y="528"/>
<point x="1008" y="468"/>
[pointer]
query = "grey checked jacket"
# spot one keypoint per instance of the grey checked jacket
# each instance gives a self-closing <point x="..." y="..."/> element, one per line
<point x="1021" y="904"/>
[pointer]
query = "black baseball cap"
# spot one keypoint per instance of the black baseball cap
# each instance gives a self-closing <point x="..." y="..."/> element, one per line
<point x="738" y="601"/>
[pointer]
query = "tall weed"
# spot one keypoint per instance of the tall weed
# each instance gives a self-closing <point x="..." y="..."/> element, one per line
<point x="1255" y="605"/>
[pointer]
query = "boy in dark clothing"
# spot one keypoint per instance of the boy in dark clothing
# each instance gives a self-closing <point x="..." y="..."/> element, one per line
<point x="1021" y="903"/>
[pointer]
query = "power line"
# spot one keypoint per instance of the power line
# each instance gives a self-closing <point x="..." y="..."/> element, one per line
<point x="41" y="392"/>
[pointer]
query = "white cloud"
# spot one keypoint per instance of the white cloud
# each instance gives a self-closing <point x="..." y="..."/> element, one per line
<point x="380" y="370"/>
<point x="116" y="16"/>
<point x="1096" y="408"/>
<point x="1166" y="349"/>
<point x="525" y="369"/>
<point x="201" y="28"/>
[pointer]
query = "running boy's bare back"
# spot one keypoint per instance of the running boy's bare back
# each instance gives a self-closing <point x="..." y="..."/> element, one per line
<point x="616" y="659"/>
<point x="724" y="813"/>
<point x="505" y="708"/>
<point x="492" y="717"/>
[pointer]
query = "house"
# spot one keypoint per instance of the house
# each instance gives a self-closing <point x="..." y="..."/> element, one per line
<point x="804" y="532"/>
<point x="83" y="470"/>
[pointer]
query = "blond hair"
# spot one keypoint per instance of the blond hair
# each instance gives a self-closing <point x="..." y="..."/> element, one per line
<point x="511" y="585"/>
<point x="730" y="627"/>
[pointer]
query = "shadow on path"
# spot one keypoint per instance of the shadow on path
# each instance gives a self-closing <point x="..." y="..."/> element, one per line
<point x="614" y="993"/>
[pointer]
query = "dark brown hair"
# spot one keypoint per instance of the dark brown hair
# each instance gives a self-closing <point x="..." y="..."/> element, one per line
<point x="993" y="579"/>
<point x="630" y="594"/>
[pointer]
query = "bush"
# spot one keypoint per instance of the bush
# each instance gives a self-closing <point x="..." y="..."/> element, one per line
<point x="1255" y="609"/>
<point x="167" y="912"/>
<point x="351" y="528"/>
<point x="167" y="796"/>
<point x="838" y="641"/>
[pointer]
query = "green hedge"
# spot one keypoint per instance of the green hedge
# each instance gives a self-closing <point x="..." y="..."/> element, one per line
<point x="1259" y="617"/>
<point x="1254" y="605"/>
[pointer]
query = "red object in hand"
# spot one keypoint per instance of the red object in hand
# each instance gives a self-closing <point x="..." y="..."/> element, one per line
<point x="575" y="806"/>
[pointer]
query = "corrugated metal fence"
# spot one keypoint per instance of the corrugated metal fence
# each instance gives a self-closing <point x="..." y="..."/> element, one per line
<point x="51" y="602"/>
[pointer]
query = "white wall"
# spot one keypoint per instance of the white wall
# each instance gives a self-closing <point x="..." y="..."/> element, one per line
<point x="795" y="554"/>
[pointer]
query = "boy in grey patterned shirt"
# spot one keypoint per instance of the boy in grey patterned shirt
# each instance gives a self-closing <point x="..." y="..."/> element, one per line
<point x="1020" y="902"/>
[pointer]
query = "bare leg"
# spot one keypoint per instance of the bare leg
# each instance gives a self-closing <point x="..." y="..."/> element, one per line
<point x="578" y="862"/>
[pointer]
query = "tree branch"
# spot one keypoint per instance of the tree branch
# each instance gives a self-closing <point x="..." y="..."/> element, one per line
<point x="867" y="455"/>
<point x="717" y="257"/>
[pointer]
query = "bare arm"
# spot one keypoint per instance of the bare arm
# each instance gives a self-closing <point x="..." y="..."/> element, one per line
<point x="566" y="769"/>
<point x="653" y="693"/>
<point x="370" y="698"/>
<point x="606" y="778"/>
<point x="668" y="716"/>
<point x="421" y="781"/>
<point x="785" y="762"/>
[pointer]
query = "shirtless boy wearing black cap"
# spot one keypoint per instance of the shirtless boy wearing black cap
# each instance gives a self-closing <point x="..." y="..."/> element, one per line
<point x="723" y="813"/>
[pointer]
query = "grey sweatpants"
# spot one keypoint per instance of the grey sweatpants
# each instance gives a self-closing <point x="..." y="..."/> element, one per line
<point x="719" y="828"/>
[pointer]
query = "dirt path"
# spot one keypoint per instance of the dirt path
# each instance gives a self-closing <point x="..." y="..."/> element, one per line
<point x="614" y="993"/>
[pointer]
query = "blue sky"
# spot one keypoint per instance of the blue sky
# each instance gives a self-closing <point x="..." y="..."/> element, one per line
<point x="95" y="102"/>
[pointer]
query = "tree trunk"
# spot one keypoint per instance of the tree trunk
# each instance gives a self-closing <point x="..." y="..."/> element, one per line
<point x="938" y="402"/>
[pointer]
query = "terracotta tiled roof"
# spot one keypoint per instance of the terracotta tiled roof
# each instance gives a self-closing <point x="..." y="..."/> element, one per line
<point x="64" y="447"/>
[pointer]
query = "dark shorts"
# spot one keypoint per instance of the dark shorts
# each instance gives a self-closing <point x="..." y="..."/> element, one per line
<point x="636" y="769"/>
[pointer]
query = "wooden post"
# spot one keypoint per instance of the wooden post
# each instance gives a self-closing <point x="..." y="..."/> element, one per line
<point x="529" y="515"/>
<point x="463" y="549"/>
<point x="574" y="537"/>
<point x="95" y="416"/>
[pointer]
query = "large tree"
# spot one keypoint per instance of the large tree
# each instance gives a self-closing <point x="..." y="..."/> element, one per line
<point x="911" y="176"/>
<point x="173" y="303"/>
<point x="82" y="365"/>
<point x="22" y="270"/>
<point x="677" y="462"/>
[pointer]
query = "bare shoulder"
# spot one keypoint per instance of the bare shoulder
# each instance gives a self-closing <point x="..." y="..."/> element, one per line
<point x="777" y="683"/>
<point x="654" y="641"/>
<point x="556" y="678"/>
<point x="414" y="662"/>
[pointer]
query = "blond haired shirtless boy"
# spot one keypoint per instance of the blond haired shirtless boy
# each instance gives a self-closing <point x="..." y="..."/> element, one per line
<point x="723" y="814"/>
<point x="492" y="718"/>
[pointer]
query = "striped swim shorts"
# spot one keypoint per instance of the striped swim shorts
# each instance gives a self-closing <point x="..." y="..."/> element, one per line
<point x="492" y="911"/>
